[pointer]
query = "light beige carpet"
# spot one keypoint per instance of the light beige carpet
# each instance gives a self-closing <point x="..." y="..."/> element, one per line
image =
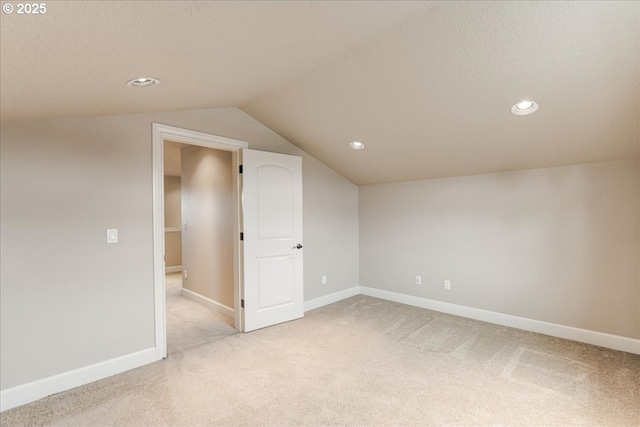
<point x="190" y="324"/>
<point x="363" y="361"/>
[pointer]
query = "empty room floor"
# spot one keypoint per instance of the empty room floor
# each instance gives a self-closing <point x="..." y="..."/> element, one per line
<point x="363" y="361"/>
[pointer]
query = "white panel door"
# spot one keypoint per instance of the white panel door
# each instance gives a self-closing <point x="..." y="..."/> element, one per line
<point x="272" y="217"/>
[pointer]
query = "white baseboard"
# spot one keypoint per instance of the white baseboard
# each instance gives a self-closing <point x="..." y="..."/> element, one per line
<point x="331" y="298"/>
<point x="614" y="342"/>
<point x="209" y="303"/>
<point x="30" y="392"/>
<point x="174" y="269"/>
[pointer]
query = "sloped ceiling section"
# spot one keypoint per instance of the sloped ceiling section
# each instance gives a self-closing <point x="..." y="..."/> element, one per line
<point x="432" y="98"/>
<point x="75" y="59"/>
<point x="427" y="86"/>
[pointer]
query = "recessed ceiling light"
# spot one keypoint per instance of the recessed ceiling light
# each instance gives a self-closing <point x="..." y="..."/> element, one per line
<point x="525" y="107"/>
<point x="356" y="145"/>
<point x="143" y="82"/>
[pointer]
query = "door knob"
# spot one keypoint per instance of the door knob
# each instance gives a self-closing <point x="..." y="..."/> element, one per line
<point x="298" y="246"/>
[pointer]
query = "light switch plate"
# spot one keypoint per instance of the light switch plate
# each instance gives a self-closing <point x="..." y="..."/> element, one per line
<point x="112" y="235"/>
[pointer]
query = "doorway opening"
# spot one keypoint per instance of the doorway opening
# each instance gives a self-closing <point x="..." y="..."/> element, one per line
<point x="200" y="149"/>
<point x="198" y="241"/>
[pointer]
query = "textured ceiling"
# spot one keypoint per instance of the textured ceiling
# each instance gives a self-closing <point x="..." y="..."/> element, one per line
<point x="75" y="59"/>
<point x="427" y="86"/>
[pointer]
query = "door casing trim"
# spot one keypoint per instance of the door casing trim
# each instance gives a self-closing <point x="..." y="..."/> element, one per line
<point x="160" y="133"/>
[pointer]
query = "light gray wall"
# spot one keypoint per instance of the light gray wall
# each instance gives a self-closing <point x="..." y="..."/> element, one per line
<point x="559" y="245"/>
<point x="172" y="158"/>
<point x="172" y="201"/>
<point x="68" y="299"/>
<point x="207" y="241"/>
<point x="172" y="218"/>
<point x="330" y="210"/>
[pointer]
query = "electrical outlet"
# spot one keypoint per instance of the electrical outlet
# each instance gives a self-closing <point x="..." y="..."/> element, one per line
<point x="447" y="284"/>
<point x="324" y="280"/>
<point x="185" y="274"/>
<point x="418" y="280"/>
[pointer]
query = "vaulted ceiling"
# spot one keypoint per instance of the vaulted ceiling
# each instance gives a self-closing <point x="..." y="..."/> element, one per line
<point x="426" y="86"/>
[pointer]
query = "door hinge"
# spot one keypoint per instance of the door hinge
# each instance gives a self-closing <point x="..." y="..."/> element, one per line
<point x="242" y="303"/>
<point x="240" y="169"/>
<point x="241" y="236"/>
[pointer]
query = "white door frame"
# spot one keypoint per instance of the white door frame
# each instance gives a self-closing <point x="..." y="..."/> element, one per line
<point x="160" y="134"/>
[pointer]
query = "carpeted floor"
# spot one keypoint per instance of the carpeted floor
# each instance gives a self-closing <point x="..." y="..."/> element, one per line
<point x="190" y="324"/>
<point x="361" y="361"/>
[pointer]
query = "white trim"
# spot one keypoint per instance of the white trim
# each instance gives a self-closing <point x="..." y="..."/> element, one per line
<point x="160" y="133"/>
<point x="614" y="342"/>
<point x="159" y="296"/>
<point x="30" y="392"/>
<point x="331" y="298"/>
<point x="209" y="303"/>
<point x="173" y="269"/>
<point x="192" y="137"/>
